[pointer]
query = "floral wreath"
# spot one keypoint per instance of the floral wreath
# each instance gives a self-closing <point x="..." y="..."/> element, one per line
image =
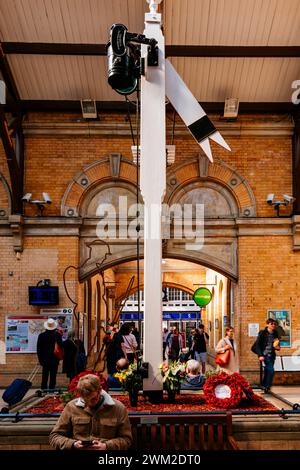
<point x="235" y="384"/>
<point x="72" y="389"/>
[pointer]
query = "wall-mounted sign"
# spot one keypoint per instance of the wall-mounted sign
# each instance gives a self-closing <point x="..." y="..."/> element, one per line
<point x="165" y="316"/>
<point x="202" y="296"/>
<point x="22" y="331"/>
<point x="253" y="329"/>
<point x="283" y="318"/>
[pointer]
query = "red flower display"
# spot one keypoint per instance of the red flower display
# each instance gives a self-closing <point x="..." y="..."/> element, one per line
<point x="245" y="386"/>
<point x="72" y="389"/>
<point x="184" y="403"/>
<point x="226" y="391"/>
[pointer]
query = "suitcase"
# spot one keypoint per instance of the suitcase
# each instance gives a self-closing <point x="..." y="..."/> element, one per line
<point x="18" y="388"/>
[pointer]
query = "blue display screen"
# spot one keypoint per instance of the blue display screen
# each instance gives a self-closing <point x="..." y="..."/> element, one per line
<point x="47" y="295"/>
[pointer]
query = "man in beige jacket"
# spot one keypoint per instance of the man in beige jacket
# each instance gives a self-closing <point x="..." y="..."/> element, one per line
<point x="95" y="421"/>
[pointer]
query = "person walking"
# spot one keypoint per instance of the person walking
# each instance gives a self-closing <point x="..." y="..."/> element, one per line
<point x="70" y="356"/>
<point x="200" y="340"/>
<point x="266" y="345"/>
<point x="175" y="345"/>
<point x="165" y="334"/>
<point x="45" y="352"/>
<point x="228" y="342"/>
<point x="129" y="343"/>
<point x="94" y="421"/>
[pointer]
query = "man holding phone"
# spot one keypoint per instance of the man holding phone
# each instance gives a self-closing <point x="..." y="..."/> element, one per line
<point x="94" y="421"/>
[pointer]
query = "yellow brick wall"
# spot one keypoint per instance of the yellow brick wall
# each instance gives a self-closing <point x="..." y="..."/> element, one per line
<point x="269" y="273"/>
<point x="42" y="258"/>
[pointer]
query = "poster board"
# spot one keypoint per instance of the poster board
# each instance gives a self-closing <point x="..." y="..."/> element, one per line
<point x="284" y="329"/>
<point x="253" y="329"/>
<point x="22" y="331"/>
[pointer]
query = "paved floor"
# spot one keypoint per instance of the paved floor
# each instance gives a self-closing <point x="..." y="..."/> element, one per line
<point x="289" y="392"/>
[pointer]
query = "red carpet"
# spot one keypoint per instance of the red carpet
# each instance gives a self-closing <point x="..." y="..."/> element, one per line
<point x="183" y="403"/>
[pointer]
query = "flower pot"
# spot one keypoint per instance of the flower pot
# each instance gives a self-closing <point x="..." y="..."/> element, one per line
<point x="133" y="397"/>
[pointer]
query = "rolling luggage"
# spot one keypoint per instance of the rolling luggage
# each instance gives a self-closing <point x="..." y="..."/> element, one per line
<point x="16" y="391"/>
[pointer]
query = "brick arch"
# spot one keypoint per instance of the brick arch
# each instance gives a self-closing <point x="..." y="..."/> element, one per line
<point x="115" y="167"/>
<point x="219" y="173"/>
<point x="164" y="284"/>
<point x="112" y="168"/>
<point x="5" y="198"/>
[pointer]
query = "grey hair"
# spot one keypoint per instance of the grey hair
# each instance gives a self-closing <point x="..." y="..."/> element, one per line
<point x="88" y="384"/>
<point x="193" y="366"/>
<point x="71" y="334"/>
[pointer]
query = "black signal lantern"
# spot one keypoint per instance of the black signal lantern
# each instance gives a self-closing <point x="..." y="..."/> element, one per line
<point x="121" y="72"/>
<point x="124" y="58"/>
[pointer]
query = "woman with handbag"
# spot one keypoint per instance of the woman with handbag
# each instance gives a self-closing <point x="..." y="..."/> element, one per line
<point x="227" y="347"/>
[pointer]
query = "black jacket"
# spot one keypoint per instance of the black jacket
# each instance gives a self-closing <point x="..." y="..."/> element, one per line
<point x="45" y="347"/>
<point x="261" y="342"/>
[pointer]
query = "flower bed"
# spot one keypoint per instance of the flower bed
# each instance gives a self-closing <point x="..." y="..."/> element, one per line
<point x="184" y="403"/>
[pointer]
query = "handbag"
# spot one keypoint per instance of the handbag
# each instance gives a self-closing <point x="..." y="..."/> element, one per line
<point x="58" y="351"/>
<point x="222" y="359"/>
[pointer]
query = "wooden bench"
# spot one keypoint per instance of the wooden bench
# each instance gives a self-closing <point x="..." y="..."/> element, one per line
<point x="178" y="432"/>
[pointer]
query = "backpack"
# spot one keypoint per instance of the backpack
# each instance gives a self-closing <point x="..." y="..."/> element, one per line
<point x="254" y="347"/>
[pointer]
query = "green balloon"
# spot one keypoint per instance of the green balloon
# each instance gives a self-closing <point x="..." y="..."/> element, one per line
<point x="202" y="296"/>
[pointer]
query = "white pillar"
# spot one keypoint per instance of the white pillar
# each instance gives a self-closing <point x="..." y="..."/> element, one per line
<point x="153" y="186"/>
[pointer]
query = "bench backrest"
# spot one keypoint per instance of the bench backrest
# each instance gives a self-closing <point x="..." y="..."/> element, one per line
<point x="178" y="432"/>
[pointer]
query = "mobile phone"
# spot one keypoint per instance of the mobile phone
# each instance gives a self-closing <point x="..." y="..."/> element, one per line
<point x="87" y="443"/>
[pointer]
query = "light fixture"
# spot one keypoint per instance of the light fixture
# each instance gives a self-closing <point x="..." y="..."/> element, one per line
<point x="231" y="108"/>
<point x="47" y="198"/>
<point x="40" y="203"/>
<point x="287" y="199"/>
<point x="170" y="154"/>
<point x="26" y="197"/>
<point x="89" y="109"/>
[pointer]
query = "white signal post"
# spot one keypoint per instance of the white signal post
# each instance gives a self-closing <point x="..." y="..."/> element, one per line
<point x="158" y="82"/>
<point x="153" y="187"/>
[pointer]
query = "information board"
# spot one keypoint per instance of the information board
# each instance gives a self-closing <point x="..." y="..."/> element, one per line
<point x="22" y="331"/>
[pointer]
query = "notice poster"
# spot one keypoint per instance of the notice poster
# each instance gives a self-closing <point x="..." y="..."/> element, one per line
<point x="283" y="318"/>
<point x="22" y="331"/>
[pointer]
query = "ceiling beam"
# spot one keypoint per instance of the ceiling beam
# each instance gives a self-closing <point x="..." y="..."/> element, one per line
<point x="8" y="76"/>
<point x="171" y="50"/>
<point x="53" y="49"/>
<point x="15" y="161"/>
<point x="232" y="51"/>
<point x="209" y="107"/>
